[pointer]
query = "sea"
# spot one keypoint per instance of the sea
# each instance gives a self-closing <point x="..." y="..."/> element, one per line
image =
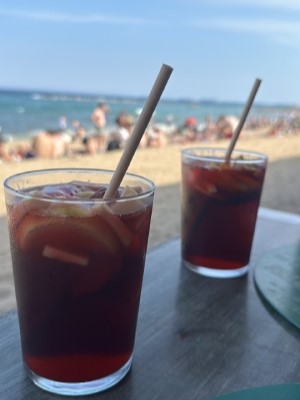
<point x="25" y="113"/>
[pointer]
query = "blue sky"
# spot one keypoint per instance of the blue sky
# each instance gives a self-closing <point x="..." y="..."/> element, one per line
<point x="216" y="47"/>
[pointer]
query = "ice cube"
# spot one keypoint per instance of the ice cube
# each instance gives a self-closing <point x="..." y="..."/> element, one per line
<point x="95" y="190"/>
<point x="99" y="193"/>
<point x="130" y="206"/>
<point x="61" y="191"/>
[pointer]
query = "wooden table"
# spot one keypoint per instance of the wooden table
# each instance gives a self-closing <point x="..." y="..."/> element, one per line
<point x="197" y="337"/>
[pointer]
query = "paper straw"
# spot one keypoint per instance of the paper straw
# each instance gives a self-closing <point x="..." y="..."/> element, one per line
<point x="139" y="129"/>
<point x="242" y="119"/>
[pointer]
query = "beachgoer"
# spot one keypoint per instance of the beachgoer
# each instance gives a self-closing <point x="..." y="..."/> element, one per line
<point x="99" y="120"/>
<point x="5" y="154"/>
<point x="63" y="122"/>
<point x="78" y="130"/>
<point x="120" y="135"/>
<point x="209" y="129"/>
<point x="156" y="137"/>
<point x="23" y="151"/>
<point x="225" y="126"/>
<point x="91" y="145"/>
<point x="50" y="144"/>
<point x="80" y="133"/>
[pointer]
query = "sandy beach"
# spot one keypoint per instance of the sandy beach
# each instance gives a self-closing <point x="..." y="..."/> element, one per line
<point x="281" y="189"/>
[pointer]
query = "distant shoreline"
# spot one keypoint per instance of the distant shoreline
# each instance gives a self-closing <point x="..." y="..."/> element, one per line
<point x="112" y="97"/>
<point x="24" y="113"/>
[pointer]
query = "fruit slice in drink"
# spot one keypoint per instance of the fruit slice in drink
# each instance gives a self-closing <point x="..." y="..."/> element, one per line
<point x="74" y="242"/>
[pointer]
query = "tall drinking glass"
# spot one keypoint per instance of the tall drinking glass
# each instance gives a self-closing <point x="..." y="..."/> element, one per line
<point x="219" y="209"/>
<point x="78" y="263"/>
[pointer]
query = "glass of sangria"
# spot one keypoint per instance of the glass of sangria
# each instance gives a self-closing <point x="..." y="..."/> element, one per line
<point x="219" y="209"/>
<point x="78" y="263"/>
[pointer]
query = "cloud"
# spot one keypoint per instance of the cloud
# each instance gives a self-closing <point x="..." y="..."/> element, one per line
<point x="66" y="18"/>
<point x="285" y="32"/>
<point x="282" y="31"/>
<point x="288" y="5"/>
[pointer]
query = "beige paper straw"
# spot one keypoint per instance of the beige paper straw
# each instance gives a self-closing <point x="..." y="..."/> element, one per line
<point x="242" y="119"/>
<point x="139" y="129"/>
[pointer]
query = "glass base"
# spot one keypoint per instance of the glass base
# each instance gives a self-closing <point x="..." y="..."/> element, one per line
<point x="217" y="273"/>
<point x="81" y="388"/>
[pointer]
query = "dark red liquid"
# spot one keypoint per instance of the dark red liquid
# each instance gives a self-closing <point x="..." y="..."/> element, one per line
<point x="219" y="210"/>
<point x="78" y="290"/>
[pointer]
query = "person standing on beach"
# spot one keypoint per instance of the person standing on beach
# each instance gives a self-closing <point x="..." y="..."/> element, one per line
<point x="99" y="121"/>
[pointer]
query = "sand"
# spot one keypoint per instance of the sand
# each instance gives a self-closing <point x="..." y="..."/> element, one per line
<point x="281" y="189"/>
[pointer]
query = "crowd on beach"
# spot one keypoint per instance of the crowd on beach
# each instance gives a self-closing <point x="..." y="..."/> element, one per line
<point x="66" y="141"/>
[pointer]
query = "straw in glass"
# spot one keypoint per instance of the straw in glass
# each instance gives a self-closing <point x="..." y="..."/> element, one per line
<point x="242" y="119"/>
<point x="139" y="129"/>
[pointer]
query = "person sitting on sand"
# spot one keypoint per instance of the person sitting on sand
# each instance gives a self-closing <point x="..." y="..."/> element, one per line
<point x="225" y="126"/>
<point x="79" y="132"/>
<point x="5" y="154"/>
<point x="187" y="132"/>
<point x="50" y="144"/>
<point x="208" y="131"/>
<point x="91" y="145"/>
<point x="23" y="151"/>
<point x="120" y="135"/>
<point x="155" y="137"/>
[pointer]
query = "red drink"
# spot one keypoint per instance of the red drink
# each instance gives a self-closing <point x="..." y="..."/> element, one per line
<point x="219" y="210"/>
<point x="78" y="268"/>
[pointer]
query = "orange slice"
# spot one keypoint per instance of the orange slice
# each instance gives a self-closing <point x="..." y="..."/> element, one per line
<point x="68" y="210"/>
<point x="18" y="211"/>
<point x="124" y="234"/>
<point x="249" y="180"/>
<point x="88" y="247"/>
<point x="66" y="233"/>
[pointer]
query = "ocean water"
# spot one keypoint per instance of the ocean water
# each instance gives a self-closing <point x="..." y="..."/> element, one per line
<point x="24" y="113"/>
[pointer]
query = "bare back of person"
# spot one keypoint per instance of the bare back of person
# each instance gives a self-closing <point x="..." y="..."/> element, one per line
<point x="99" y="121"/>
<point x="49" y="144"/>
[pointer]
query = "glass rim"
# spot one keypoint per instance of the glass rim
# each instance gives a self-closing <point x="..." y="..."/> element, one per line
<point x="212" y="158"/>
<point x="24" y="194"/>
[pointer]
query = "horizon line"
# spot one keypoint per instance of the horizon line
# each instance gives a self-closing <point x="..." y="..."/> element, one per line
<point x="102" y="96"/>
